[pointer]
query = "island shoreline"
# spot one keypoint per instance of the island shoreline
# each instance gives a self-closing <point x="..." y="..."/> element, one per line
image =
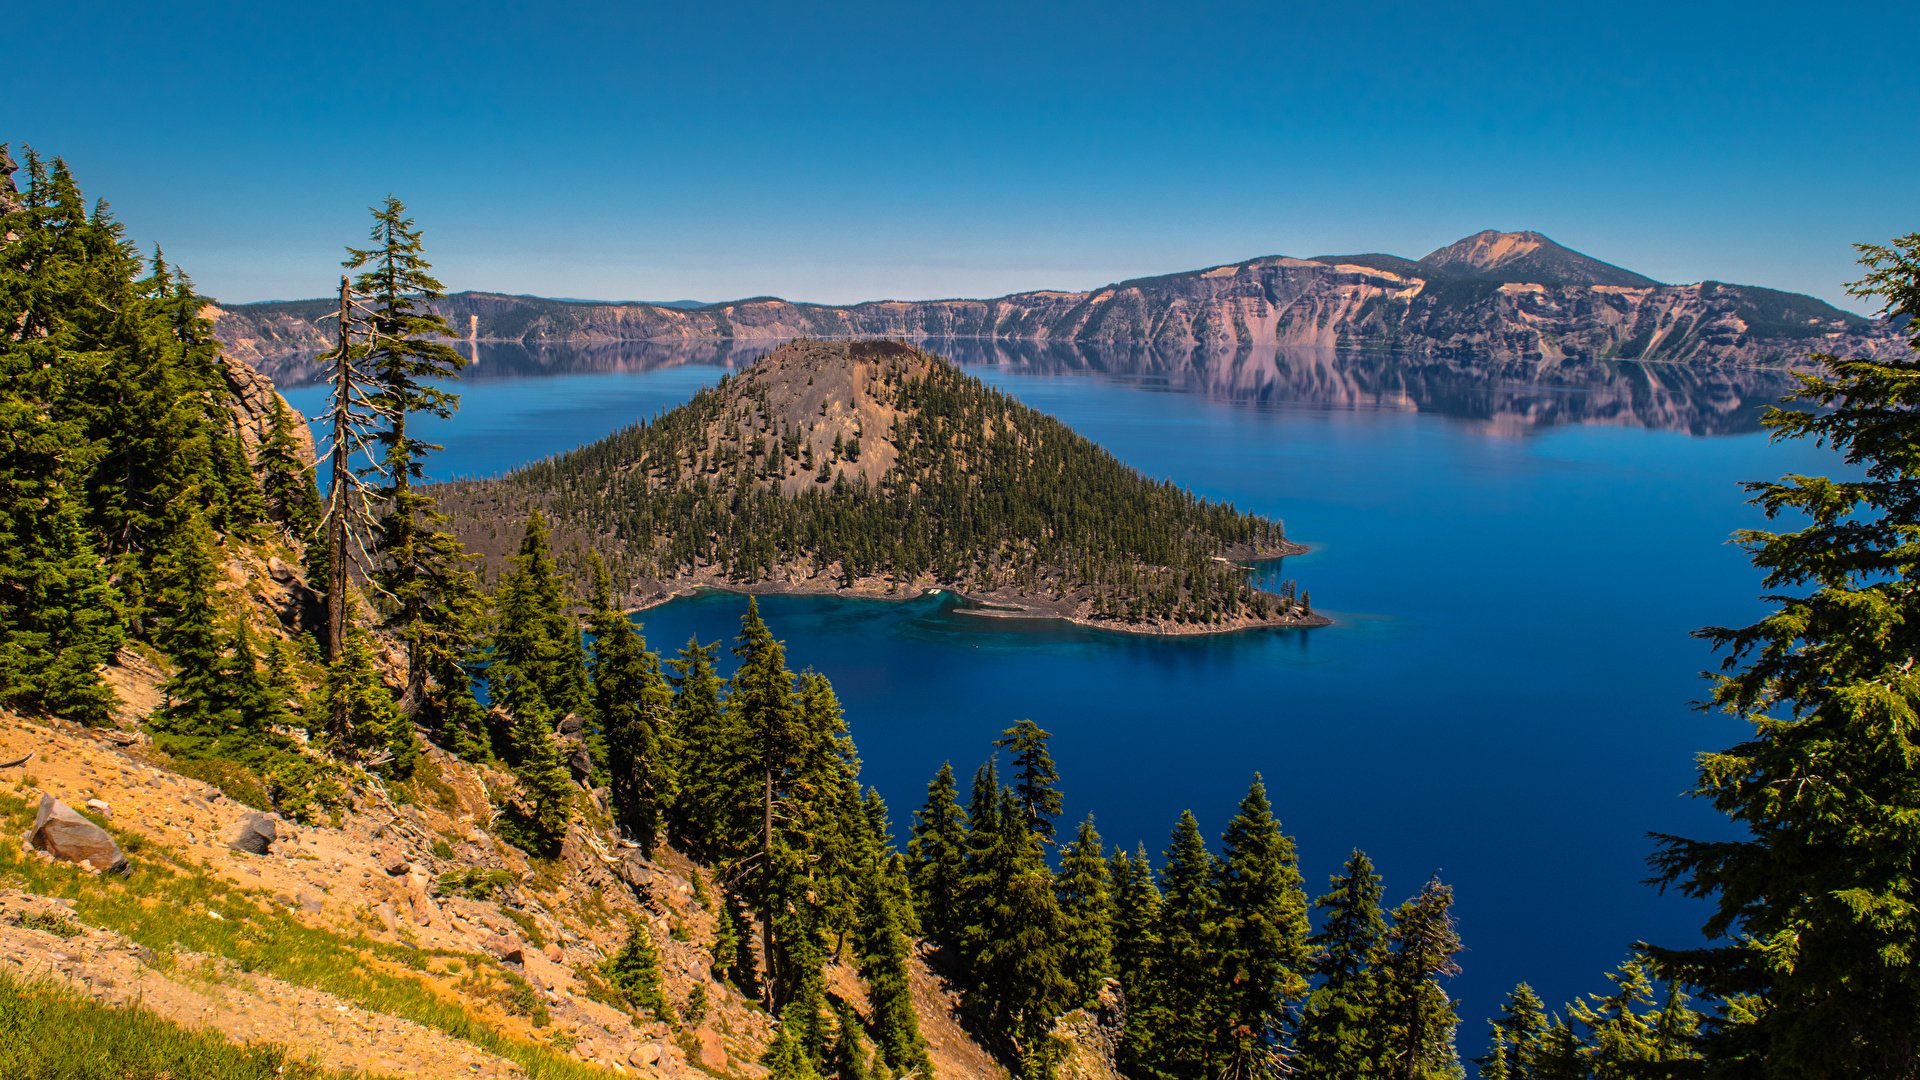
<point x="989" y="606"/>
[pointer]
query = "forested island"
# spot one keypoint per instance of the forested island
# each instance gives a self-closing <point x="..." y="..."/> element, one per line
<point x="873" y="468"/>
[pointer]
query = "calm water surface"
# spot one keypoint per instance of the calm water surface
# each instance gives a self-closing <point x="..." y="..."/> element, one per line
<point x="1514" y="570"/>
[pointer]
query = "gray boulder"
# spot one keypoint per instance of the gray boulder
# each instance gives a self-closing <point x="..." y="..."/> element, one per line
<point x="60" y="831"/>
<point x="257" y="834"/>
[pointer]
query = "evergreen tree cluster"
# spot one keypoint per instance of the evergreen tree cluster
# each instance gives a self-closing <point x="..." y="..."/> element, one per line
<point x="1214" y="956"/>
<point x="121" y="461"/>
<point x="126" y="487"/>
<point x="1640" y="1029"/>
<point x="753" y="773"/>
<point x="965" y="488"/>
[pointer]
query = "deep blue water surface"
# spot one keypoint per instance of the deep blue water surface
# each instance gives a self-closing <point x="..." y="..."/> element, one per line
<point x="1503" y="699"/>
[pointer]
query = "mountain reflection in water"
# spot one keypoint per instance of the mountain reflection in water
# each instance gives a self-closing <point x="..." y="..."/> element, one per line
<point x="1506" y="398"/>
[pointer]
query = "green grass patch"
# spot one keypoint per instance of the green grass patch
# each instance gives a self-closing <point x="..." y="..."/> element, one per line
<point x="474" y="882"/>
<point x="52" y="922"/>
<point x="52" y="1033"/>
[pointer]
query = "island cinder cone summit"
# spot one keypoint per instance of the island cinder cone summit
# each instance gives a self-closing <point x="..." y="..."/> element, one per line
<point x="874" y="468"/>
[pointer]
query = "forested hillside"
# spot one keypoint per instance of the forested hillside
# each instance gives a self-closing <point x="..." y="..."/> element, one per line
<point x="872" y="466"/>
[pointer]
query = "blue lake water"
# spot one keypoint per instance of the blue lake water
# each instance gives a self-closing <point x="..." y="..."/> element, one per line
<point x="1514" y="566"/>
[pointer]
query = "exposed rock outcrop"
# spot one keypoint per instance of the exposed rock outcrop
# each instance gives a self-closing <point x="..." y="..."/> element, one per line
<point x="255" y="400"/>
<point x="9" y="195"/>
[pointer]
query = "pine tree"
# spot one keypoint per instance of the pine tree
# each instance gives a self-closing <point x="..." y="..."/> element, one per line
<point x="1034" y="776"/>
<point x="760" y="700"/>
<point x="421" y="569"/>
<point x="1337" y="1039"/>
<point x="1630" y="1033"/>
<point x="635" y="707"/>
<point x="1519" y="1034"/>
<point x="1136" y="945"/>
<point x="1494" y="1066"/>
<point x="1085" y="888"/>
<point x="707" y="817"/>
<point x="537" y="671"/>
<point x="785" y="1058"/>
<point x="197" y="698"/>
<point x="1184" y="997"/>
<point x="366" y="724"/>
<point x="988" y="861"/>
<point x="1814" y="906"/>
<point x="542" y="771"/>
<point x="1562" y="1057"/>
<point x="937" y="855"/>
<point x="1264" y="954"/>
<point x="538" y="661"/>
<point x="59" y="622"/>
<point x="286" y="478"/>
<point x="845" y="1061"/>
<point x="1414" y="1013"/>
<point x="635" y="972"/>
<point x="882" y="949"/>
<point x="1021" y="966"/>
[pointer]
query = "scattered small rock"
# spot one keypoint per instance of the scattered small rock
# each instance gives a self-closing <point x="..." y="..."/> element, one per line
<point x="506" y="948"/>
<point x="60" y="831"/>
<point x="257" y="834"/>
<point x="101" y="807"/>
<point x="553" y="952"/>
<point x="423" y="909"/>
<point x="392" y="861"/>
<point x="643" y="1055"/>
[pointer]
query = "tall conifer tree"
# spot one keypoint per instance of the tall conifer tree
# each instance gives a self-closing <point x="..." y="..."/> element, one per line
<point x="1264" y="955"/>
<point x="1136" y="945"/>
<point x="1184" y="995"/>
<point x="1817" y="962"/>
<point x="709" y="816"/>
<point x="1086" y="905"/>
<point x="1338" y="1037"/>
<point x="538" y="660"/>
<point x="635" y="707"/>
<point x="1414" y="1013"/>
<point x="421" y="569"/>
<point x="1035" y="777"/>
<point x="937" y="854"/>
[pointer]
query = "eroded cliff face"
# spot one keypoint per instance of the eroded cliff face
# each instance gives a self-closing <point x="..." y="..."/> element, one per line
<point x="1460" y="302"/>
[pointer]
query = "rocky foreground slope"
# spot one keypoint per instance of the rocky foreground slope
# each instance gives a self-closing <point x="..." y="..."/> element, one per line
<point x="401" y="939"/>
<point x="1493" y="297"/>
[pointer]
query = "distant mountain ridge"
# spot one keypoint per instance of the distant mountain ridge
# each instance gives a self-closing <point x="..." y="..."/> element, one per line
<point x="1493" y="296"/>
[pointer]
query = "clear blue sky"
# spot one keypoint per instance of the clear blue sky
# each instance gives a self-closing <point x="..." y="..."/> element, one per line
<point x="842" y="152"/>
